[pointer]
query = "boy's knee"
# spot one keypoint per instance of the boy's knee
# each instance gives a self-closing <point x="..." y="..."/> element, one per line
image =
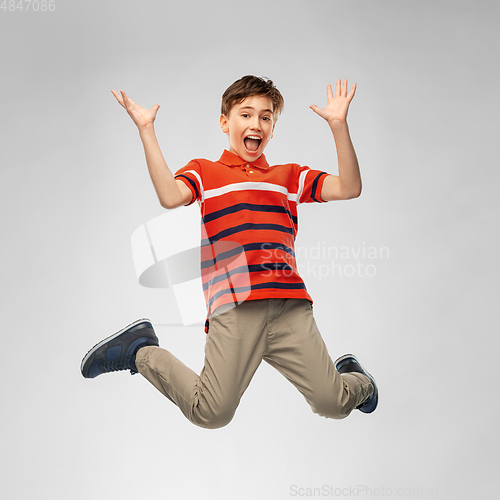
<point x="218" y="418"/>
<point x="329" y="408"/>
<point x="219" y="421"/>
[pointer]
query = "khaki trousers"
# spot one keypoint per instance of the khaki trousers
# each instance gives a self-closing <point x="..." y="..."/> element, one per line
<point x="280" y="331"/>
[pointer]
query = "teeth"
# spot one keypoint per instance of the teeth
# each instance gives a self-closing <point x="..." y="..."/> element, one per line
<point x="253" y="137"/>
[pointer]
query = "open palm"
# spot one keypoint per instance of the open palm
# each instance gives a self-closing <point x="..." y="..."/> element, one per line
<point x="142" y="117"/>
<point x="338" y="105"/>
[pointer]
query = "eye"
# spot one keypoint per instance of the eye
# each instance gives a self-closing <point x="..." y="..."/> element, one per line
<point x="245" y="115"/>
<point x="266" y="118"/>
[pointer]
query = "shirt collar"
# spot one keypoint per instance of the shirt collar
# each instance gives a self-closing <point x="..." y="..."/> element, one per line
<point x="233" y="160"/>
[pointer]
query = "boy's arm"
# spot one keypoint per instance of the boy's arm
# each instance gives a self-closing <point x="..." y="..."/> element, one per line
<point x="171" y="193"/>
<point x="347" y="184"/>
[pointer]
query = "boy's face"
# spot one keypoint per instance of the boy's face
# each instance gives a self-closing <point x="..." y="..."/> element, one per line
<point x="249" y="127"/>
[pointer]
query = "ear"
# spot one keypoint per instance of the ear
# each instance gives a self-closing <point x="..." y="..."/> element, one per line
<point x="224" y="125"/>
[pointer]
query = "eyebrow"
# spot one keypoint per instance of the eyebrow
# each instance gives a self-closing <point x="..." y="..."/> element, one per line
<point x="250" y="107"/>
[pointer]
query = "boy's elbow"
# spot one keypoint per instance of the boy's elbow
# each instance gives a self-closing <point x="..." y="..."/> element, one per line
<point x="169" y="205"/>
<point x="357" y="193"/>
<point x="349" y="195"/>
<point x="176" y="202"/>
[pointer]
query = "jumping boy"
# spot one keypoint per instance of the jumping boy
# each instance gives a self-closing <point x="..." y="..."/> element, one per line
<point x="258" y="306"/>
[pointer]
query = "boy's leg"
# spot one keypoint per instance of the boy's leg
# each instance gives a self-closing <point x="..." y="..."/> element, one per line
<point x="233" y="351"/>
<point x="297" y="350"/>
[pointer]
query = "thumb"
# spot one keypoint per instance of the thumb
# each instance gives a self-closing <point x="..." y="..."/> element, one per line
<point x="154" y="110"/>
<point x="316" y="109"/>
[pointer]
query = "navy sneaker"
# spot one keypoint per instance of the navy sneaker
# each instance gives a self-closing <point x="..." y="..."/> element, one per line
<point x="118" y="351"/>
<point x="348" y="363"/>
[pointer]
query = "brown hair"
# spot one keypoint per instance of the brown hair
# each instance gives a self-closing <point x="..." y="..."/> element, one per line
<point x="249" y="86"/>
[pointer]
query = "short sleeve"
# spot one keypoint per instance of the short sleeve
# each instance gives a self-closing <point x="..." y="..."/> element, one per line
<point x="191" y="176"/>
<point x="310" y="185"/>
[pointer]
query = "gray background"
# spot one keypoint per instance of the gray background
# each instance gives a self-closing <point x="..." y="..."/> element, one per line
<point x="75" y="186"/>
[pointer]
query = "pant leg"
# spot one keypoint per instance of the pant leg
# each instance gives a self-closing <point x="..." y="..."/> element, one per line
<point x="234" y="348"/>
<point x="297" y="350"/>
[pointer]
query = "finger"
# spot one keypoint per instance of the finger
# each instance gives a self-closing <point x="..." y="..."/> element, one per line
<point x="344" y="89"/>
<point x="118" y="98"/>
<point x="352" y="92"/>
<point x="337" y="89"/>
<point x="126" y="99"/>
<point x="329" y="91"/>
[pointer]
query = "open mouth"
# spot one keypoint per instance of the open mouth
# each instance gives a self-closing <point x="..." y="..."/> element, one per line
<point x="252" y="142"/>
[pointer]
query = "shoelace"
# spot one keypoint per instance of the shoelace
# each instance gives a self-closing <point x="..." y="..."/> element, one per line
<point x="117" y="365"/>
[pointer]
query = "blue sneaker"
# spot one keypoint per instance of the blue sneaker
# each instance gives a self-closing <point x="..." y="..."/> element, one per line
<point x="348" y="363"/>
<point x="118" y="351"/>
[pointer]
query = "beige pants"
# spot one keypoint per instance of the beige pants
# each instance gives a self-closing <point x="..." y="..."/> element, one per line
<point x="280" y="331"/>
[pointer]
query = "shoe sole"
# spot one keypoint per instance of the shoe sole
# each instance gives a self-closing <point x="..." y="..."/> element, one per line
<point x="111" y="337"/>
<point x="367" y="373"/>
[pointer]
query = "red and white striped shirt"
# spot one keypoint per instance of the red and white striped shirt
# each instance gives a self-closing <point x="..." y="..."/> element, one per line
<point x="249" y="225"/>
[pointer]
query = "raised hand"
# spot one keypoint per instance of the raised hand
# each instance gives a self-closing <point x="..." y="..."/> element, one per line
<point x="142" y="117"/>
<point x="337" y="107"/>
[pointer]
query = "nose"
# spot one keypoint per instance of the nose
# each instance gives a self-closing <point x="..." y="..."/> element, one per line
<point x="255" y="125"/>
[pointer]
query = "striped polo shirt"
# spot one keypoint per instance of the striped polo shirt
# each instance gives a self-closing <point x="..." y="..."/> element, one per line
<point x="249" y="225"/>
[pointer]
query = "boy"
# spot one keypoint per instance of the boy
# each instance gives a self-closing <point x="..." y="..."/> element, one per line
<point x="258" y="306"/>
